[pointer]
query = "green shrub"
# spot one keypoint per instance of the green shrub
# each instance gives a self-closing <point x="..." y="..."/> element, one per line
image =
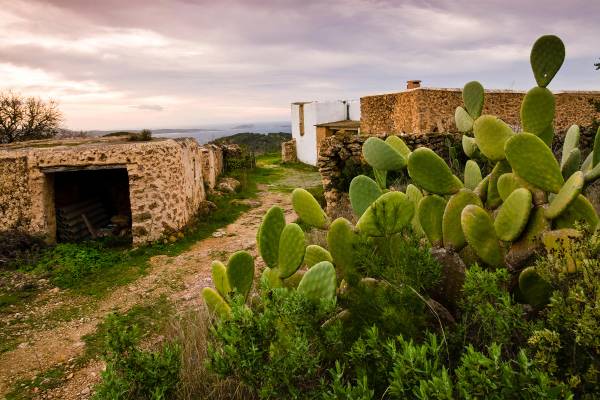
<point x="566" y="340"/>
<point x="489" y="313"/>
<point x="132" y="373"/>
<point x="481" y="376"/>
<point x="278" y="348"/>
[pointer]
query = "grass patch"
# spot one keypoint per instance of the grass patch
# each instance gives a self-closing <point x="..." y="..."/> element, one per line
<point x="27" y="389"/>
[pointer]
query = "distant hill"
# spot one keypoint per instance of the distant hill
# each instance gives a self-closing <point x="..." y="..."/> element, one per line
<point x="259" y="143"/>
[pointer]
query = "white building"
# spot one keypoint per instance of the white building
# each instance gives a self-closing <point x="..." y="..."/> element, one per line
<point x="313" y="121"/>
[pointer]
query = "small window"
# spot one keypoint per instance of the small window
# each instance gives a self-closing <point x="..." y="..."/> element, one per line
<point x="301" y="118"/>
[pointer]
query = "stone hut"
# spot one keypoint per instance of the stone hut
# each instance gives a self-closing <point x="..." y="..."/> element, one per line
<point x="65" y="189"/>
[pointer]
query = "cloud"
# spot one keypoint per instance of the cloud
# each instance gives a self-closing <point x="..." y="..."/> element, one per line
<point x="203" y="61"/>
<point x="149" y="107"/>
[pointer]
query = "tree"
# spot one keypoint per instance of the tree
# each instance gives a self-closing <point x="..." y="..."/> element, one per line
<point x="597" y="65"/>
<point x="27" y="118"/>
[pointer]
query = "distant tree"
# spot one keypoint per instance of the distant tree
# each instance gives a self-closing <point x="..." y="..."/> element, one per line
<point x="597" y="65"/>
<point x="27" y="118"/>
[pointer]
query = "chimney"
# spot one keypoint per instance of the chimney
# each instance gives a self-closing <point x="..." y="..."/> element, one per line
<point x="413" y="84"/>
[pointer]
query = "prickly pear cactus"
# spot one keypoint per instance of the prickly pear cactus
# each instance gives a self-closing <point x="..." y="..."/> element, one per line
<point x="269" y="234"/>
<point x="387" y="215"/>
<point x="430" y="171"/>
<point x="308" y="208"/>
<point x="215" y="303"/>
<point x="363" y="192"/>
<point x="240" y="272"/>
<point x="451" y="229"/>
<point x="490" y="135"/>
<point x="479" y="232"/>
<point x="547" y="56"/>
<point x="291" y="250"/>
<point x="315" y="254"/>
<point x="319" y="282"/>
<point x="382" y="156"/>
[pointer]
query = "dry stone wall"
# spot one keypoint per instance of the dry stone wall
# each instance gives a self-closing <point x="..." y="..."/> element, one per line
<point x="288" y="151"/>
<point x="340" y="159"/>
<point x="166" y="181"/>
<point x="423" y="110"/>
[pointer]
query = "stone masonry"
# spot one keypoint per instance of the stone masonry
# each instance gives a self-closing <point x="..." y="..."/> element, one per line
<point x="166" y="181"/>
<point x="288" y="151"/>
<point x="426" y="110"/>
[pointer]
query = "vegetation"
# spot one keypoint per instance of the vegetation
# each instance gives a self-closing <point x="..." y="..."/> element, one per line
<point x="257" y="143"/>
<point x="27" y="118"/>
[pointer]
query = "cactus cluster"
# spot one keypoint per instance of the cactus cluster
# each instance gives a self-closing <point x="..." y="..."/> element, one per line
<point x="528" y="199"/>
<point x="500" y="217"/>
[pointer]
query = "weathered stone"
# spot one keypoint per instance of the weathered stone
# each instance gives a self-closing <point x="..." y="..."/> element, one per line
<point x="166" y="180"/>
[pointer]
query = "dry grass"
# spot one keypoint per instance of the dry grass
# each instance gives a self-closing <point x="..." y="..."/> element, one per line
<point x="191" y="329"/>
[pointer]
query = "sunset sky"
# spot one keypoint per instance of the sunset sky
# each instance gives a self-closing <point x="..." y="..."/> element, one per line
<point x="127" y="64"/>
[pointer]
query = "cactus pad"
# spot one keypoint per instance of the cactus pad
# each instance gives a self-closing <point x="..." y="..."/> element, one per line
<point x="291" y="250"/>
<point x="513" y="215"/>
<point x="535" y="290"/>
<point x="596" y="151"/>
<point x="534" y="162"/>
<point x="399" y="145"/>
<point x="451" y="229"/>
<point x="493" y="196"/>
<point x="308" y="208"/>
<point x="472" y="175"/>
<point x="382" y="156"/>
<point x="571" y="142"/>
<point x="567" y="194"/>
<point x="363" y="192"/>
<point x="268" y="236"/>
<point x="579" y="211"/>
<point x="240" y="272"/>
<point x="490" y="135"/>
<point x="340" y="240"/>
<point x="469" y="146"/>
<point x="473" y="96"/>
<point x="387" y="215"/>
<point x="219" y="278"/>
<point x="480" y="234"/>
<point x="430" y="171"/>
<point x="547" y="135"/>
<point x="547" y="56"/>
<point x="431" y="214"/>
<point x="464" y="122"/>
<point x="315" y="254"/>
<point x="592" y="174"/>
<point x="571" y="163"/>
<point x="270" y="278"/>
<point x="319" y="282"/>
<point x="415" y="195"/>
<point x="215" y="303"/>
<point x="506" y="184"/>
<point x="537" y="110"/>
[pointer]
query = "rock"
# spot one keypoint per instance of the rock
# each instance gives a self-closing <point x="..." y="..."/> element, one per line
<point x="228" y="185"/>
<point x="219" y="233"/>
<point x="55" y="290"/>
<point x="448" y="291"/>
<point x="206" y="207"/>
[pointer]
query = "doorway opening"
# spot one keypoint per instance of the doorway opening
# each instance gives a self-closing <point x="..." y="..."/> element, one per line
<point x="91" y="203"/>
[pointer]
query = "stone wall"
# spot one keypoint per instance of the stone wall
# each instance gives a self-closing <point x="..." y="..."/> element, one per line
<point x="212" y="164"/>
<point x="425" y="110"/>
<point x="166" y="181"/>
<point x="288" y="151"/>
<point x="340" y="159"/>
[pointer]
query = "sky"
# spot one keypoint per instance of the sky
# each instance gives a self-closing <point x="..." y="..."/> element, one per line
<point x="131" y="64"/>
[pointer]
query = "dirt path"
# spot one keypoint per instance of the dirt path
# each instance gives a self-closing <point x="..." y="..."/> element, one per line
<point x="181" y="278"/>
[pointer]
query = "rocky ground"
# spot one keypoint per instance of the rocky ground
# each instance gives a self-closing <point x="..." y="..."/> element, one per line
<point x="47" y="333"/>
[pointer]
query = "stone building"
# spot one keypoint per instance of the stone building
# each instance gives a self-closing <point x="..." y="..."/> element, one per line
<point x="71" y="188"/>
<point x="420" y="110"/>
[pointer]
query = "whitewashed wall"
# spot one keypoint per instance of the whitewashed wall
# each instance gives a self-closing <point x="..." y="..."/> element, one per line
<point x="318" y="113"/>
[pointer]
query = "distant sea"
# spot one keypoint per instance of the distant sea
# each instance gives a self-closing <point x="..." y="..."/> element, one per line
<point x="208" y="133"/>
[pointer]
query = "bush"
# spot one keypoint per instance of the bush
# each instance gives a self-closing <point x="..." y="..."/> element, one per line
<point x="132" y="373"/>
<point x="489" y="313"/>
<point x="142" y="136"/>
<point x="278" y="349"/>
<point x="565" y="341"/>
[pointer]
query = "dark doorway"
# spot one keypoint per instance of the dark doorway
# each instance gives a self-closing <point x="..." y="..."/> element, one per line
<point x="91" y="203"/>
